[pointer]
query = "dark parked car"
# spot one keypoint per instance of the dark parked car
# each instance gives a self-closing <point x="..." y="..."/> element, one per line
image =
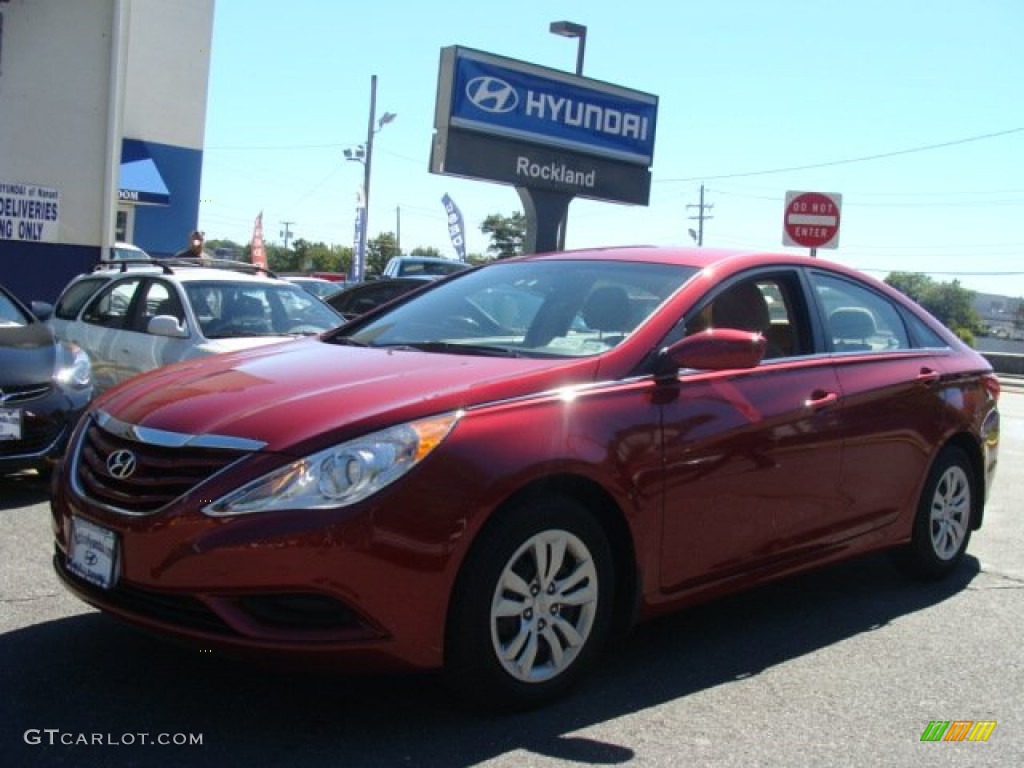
<point x="44" y="387"/>
<point x="359" y="298"/>
<point x="316" y="285"/>
<point x="497" y="473"/>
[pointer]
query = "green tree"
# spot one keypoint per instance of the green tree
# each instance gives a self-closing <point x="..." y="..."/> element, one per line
<point x="280" y="259"/>
<point x="507" y="234"/>
<point x="949" y="302"/>
<point x="421" y="250"/>
<point x="911" y="284"/>
<point x="379" y="250"/>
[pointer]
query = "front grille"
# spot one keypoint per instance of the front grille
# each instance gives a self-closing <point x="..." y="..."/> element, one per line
<point x="23" y="393"/>
<point x="162" y="474"/>
<point x="40" y="431"/>
<point x="176" y="610"/>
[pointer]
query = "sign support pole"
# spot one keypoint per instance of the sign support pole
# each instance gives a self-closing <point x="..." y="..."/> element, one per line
<point x="546" y="212"/>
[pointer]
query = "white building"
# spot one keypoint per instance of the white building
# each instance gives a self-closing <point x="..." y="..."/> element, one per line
<point x="102" y="118"/>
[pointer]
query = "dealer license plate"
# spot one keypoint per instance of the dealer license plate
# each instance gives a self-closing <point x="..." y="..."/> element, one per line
<point x="10" y="424"/>
<point x="92" y="552"/>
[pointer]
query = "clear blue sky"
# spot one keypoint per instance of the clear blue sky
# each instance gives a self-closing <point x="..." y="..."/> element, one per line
<point x="931" y="90"/>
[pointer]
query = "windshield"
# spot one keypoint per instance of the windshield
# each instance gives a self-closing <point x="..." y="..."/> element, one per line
<point x="568" y="308"/>
<point x="228" y="309"/>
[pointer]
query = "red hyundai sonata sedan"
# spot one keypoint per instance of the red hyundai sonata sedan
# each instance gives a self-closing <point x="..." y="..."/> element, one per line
<point x="494" y="474"/>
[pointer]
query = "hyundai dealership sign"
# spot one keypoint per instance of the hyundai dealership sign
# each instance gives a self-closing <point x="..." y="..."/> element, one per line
<point x="509" y="121"/>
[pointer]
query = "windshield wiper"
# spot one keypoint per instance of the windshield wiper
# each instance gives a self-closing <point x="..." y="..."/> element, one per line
<point x="453" y="348"/>
<point x="346" y="341"/>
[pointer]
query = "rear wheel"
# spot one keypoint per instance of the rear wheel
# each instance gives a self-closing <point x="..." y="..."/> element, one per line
<point x="942" y="527"/>
<point x="532" y="607"/>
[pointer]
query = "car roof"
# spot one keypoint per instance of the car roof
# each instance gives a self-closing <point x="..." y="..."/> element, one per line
<point x="691" y="256"/>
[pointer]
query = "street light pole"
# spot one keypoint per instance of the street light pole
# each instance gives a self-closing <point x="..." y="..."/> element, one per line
<point x="364" y="154"/>
<point x="360" y="260"/>
<point x="579" y="31"/>
<point x="571" y="29"/>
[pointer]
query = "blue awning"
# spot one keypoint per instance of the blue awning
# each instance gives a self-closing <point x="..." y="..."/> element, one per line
<point x="140" y="180"/>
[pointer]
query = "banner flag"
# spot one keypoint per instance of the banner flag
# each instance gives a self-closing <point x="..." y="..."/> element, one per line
<point x="259" y="249"/>
<point x="455" y="227"/>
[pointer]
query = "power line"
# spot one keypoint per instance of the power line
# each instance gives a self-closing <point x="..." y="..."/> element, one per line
<point x="861" y="159"/>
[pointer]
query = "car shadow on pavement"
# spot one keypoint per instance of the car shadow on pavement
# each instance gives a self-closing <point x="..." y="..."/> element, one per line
<point x="90" y="674"/>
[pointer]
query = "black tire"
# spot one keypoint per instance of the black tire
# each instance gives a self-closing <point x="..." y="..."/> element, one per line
<point x="945" y="515"/>
<point x="550" y="626"/>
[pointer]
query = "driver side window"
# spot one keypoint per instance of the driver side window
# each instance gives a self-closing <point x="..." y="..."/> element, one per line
<point x="769" y="305"/>
<point x="110" y="309"/>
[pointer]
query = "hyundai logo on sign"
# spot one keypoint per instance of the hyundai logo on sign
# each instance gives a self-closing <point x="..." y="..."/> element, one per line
<point x="492" y="95"/>
<point x="503" y="97"/>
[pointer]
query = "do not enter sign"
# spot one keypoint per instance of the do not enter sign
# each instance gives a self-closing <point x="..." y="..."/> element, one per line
<point x="812" y="219"/>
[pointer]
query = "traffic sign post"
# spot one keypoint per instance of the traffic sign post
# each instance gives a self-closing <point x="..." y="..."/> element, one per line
<point x="811" y="220"/>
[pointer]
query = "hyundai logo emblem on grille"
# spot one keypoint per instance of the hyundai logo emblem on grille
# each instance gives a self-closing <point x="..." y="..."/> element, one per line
<point x="121" y="464"/>
<point x="492" y="95"/>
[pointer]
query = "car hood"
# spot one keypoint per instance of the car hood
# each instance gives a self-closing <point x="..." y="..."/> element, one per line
<point x="309" y="393"/>
<point x="27" y="355"/>
<point x="218" y="346"/>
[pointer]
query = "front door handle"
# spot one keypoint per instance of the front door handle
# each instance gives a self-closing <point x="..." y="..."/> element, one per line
<point x="821" y="398"/>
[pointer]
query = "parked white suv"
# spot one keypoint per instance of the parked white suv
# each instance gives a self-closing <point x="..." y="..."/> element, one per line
<point x="131" y="321"/>
<point x="427" y="267"/>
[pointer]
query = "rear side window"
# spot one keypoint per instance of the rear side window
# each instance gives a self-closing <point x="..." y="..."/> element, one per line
<point x="924" y="336"/>
<point x="858" y="319"/>
<point x="73" y="299"/>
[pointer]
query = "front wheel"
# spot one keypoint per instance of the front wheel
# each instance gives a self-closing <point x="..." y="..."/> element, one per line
<point x="532" y="607"/>
<point x="945" y="512"/>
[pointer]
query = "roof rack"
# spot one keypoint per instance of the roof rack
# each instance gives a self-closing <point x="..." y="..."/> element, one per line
<point x="237" y="266"/>
<point x="167" y="265"/>
<point x="107" y="265"/>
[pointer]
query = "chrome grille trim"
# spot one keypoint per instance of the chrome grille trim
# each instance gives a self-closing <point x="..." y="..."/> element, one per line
<point x="14" y="394"/>
<point x="169" y="467"/>
<point x="166" y="439"/>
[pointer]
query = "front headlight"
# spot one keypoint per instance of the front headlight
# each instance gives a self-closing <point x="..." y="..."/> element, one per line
<point x="341" y="475"/>
<point x="72" y="369"/>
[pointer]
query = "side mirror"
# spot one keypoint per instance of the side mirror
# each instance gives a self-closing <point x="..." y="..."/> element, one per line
<point x="718" y="349"/>
<point x="42" y="310"/>
<point x="166" y="325"/>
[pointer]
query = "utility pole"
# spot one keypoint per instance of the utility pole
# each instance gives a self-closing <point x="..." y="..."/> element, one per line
<point x="286" y="233"/>
<point x="698" y="236"/>
<point x="398" y="228"/>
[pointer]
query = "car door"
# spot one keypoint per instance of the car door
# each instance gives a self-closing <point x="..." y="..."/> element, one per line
<point x="751" y="457"/>
<point x="101" y="329"/>
<point x="891" y="411"/>
<point x="137" y="349"/>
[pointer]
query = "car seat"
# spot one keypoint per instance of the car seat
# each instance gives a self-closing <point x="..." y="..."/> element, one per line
<point x="608" y="310"/>
<point x="851" y="329"/>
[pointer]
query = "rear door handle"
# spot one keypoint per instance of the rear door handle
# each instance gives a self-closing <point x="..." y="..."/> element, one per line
<point x="928" y="377"/>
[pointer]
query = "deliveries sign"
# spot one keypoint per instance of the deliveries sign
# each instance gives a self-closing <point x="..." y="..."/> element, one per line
<point x="29" y="212"/>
